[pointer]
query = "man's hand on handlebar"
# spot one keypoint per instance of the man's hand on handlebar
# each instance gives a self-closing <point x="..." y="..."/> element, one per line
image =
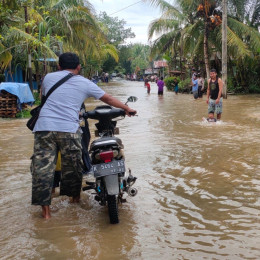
<point x="130" y="112"/>
<point x="108" y="99"/>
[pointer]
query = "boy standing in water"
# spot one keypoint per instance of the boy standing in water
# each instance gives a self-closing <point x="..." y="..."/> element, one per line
<point x="214" y="95"/>
<point x="160" y="84"/>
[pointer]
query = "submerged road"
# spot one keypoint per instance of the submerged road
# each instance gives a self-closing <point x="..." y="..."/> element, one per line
<point x="198" y="187"/>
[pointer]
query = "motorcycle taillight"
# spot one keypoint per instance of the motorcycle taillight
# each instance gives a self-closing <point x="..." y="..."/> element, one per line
<point x="106" y="156"/>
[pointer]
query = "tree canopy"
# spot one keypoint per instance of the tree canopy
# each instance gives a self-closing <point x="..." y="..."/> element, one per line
<point x="114" y="29"/>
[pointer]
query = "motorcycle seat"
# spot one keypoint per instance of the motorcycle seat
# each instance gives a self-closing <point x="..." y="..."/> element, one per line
<point x="106" y="141"/>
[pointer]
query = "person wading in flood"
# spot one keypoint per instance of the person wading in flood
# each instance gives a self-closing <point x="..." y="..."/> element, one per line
<point x="147" y="85"/>
<point x="195" y="86"/>
<point x="200" y="86"/>
<point x="58" y="129"/>
<point x="160" y="84"/>
<point x="214" y="96"/>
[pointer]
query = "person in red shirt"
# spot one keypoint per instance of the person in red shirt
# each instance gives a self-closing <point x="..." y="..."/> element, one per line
<point x="148" y="86"/>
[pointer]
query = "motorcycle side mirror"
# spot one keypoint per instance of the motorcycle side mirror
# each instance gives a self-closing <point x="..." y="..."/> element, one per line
<point x="131" y="99"/>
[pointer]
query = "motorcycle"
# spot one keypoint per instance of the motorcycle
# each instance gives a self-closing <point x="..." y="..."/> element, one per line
<point x="108" y="160"/>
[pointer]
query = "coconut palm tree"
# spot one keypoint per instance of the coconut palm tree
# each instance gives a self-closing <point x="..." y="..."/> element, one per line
<point x="51" y="24"/>
<point x="195" y="26"/>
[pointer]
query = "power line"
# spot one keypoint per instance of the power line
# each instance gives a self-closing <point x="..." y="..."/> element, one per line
<point x="126" y="7"/>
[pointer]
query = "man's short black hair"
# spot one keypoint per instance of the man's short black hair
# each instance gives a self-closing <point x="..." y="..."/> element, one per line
<point x="161" y="78"/>
<point x="68" y="60"/>
<point x="213" y="70"/>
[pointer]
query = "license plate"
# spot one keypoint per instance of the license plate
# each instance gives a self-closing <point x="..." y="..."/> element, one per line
<point x="104" y="169"/>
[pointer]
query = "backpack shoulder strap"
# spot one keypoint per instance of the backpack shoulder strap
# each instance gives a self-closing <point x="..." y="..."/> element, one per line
<point x="55" y="86"/>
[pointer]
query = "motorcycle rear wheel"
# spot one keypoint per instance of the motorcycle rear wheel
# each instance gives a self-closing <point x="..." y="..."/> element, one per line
<point x="112" y="204"/>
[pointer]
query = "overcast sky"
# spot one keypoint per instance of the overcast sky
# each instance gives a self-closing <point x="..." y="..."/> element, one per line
<point x="138" y="16"/>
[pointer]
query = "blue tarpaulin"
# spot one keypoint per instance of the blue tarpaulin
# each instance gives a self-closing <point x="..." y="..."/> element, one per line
<point x="21" y="90"/>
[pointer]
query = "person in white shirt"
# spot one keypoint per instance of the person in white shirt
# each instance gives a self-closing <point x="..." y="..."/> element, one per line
<point x="200" y="85"/>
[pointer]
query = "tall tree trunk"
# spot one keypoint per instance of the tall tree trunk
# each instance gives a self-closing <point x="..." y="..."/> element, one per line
<point x="205" y="44"/>
<point x="29" y="51"/>
<point x="224" y="48"/>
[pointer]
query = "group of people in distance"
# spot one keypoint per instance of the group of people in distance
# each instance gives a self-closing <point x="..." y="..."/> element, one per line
<point x="197" y="85"/>
<point x="160" y="84"/>
<point x="214" y="91"/>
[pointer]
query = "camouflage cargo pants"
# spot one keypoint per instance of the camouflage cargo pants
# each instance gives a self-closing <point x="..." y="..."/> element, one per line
<point x="46" y="147"/>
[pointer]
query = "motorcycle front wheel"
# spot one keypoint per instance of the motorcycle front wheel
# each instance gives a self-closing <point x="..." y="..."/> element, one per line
<point x="112" y="209"/>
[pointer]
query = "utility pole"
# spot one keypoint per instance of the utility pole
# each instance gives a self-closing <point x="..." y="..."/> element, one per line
<point x="224" y="47"/>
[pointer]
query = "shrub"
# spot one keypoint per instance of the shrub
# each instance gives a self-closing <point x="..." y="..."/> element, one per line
<point x="169" y="82"/>
<point x="37" y="98"/>
<point x="185" y="86"/>
<point x="254" y="89"/>
<point x="25" y="113"/>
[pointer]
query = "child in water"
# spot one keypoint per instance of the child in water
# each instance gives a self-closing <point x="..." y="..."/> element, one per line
<point x="210" y="119"/>
<point x="148" y="86"/>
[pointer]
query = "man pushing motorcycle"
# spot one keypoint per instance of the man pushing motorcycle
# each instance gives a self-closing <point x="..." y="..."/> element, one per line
<point x="57" y="129"/>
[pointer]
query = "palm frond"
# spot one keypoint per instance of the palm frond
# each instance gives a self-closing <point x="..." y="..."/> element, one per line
<point x="198" y="49"/>
<point x="234" y="42"/>
<point x="168" y="10"/>
<point x="255" y="19"/>
<point x="249" y="35"/>
<point x="109" y="49"/>
<point x="190" y="35"/>
<point x="163" y="43"/>
<point x="161" y="25"/>
<point x="5" y="57"/>
<point x="21" y="36"/>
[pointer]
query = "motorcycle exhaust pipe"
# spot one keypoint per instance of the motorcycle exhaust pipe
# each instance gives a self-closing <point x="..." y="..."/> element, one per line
<point x="132" y="192"/>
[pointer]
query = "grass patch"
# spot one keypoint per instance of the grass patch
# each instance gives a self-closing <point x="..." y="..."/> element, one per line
<point x="25" y="113"/>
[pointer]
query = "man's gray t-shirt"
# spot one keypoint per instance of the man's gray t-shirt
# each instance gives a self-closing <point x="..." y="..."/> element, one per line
<point x="61" y="110"/>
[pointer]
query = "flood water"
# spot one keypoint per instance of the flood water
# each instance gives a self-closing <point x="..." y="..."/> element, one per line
<point x="198" y="187"/>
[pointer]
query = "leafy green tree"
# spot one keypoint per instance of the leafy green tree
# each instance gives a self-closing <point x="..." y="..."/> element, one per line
<point x="116" y="33"/>
<point x="140" y="56"/>
<point x="125" y="58"/>
<point x="114" y="29"/>
<point x="131" y="57"/>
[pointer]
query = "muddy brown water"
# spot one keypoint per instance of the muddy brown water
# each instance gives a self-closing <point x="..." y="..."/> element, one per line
<point x="198" y="187"/>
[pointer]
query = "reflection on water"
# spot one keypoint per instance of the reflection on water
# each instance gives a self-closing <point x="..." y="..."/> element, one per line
<point x="198" y="187"/>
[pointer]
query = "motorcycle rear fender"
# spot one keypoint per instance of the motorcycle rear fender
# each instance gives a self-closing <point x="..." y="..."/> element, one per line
<point x="112" y="186"/>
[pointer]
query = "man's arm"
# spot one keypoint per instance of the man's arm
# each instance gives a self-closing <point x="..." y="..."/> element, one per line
<point x="220" y="85"/>
<point x="108" y="99"/>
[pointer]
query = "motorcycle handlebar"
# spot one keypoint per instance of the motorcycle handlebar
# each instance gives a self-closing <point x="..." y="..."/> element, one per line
<point x="104" y="112"/>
